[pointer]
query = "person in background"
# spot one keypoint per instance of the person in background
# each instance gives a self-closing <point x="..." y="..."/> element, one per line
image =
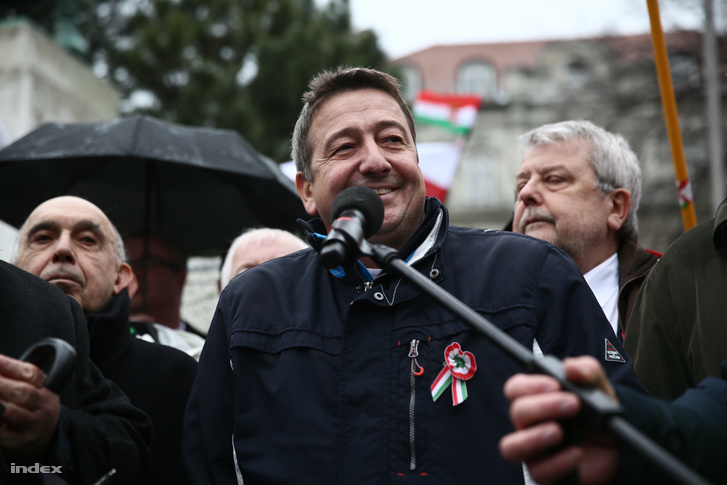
<point x="579" y="188"/>
<point x="160" y="268"/>
<point x="87" y="430"/>
<point x="255" y="246"/>
<point x="678" y="335"/>
<point x="69" y="242"/>
<point x="693" y="428"/>
<point x="311" y="375"/>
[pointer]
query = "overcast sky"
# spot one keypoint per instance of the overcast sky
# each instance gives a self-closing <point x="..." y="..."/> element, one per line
<point x="406" y="26"/>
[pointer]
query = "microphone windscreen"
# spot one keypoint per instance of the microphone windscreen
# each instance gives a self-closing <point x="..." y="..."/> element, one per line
<point x="365" y="201"/>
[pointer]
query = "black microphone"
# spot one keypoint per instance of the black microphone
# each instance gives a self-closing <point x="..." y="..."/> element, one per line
<point x="357" y="214"/>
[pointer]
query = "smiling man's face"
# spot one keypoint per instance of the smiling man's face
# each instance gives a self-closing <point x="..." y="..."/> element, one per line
<point x="362" y="138"/>
<point x="69" y="242"/>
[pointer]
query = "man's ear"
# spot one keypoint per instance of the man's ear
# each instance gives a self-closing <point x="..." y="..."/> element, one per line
<point x="124" y="278"/>
<point x="620" y="206"/>
<point x="305" y="192"/>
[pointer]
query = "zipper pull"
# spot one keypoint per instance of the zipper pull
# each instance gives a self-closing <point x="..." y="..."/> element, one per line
<point x="416" y="369"/>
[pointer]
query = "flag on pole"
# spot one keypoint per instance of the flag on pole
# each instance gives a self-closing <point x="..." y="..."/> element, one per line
<point x="456" y="113"/>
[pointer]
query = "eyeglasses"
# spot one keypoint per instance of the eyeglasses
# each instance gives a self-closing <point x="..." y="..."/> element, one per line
<point x="155" y="262"/>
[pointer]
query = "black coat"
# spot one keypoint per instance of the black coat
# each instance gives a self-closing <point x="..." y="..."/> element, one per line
<point x="157" y="379"/>
<point x="99" y="429"/>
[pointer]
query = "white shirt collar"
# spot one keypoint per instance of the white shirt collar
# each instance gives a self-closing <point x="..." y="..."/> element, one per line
<point x="603" y="280"/>
<point x="425" y="246"/>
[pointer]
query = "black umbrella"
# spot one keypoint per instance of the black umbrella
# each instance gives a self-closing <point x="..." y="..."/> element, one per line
<point x="199" y="186"/>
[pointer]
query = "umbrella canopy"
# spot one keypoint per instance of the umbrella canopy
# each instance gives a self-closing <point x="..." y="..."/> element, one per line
<point x="199" y="186"/>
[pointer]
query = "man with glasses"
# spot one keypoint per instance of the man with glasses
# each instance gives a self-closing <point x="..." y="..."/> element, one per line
<point x="160" y="270"/>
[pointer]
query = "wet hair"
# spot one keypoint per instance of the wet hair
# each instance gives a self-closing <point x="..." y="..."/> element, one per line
<point x="615" y="164"/>
<point x="329" y="83"/>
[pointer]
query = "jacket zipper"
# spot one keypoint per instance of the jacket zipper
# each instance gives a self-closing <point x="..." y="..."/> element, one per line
<point x="416" y="371"/>
<point x="367" y="285"/>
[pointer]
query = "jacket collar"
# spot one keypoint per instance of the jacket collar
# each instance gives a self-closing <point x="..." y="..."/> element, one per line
<point x="634" y="261"/>
<point x="423" y="241"/>
<point x="108" y="329"/>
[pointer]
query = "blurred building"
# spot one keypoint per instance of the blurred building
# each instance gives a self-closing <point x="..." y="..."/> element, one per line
<point x="610" y="80"/>
<point x="42" y="82"/>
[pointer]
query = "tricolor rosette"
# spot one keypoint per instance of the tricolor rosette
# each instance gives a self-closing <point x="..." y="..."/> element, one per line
<point x="459" y="367"/>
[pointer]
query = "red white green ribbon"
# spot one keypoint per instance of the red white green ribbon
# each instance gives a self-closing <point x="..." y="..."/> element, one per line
<point x="684" y="192"/>
<point x="459" y="367"/>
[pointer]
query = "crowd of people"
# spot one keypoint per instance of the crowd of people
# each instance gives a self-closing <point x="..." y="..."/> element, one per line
<point x="310" y="375"/>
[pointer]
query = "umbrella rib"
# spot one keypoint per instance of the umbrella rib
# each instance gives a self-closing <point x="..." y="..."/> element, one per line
<point x="137" y="133"/>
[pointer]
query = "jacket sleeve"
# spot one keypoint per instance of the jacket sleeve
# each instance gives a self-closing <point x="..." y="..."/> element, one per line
<point x="693" y="428"/>
<point x="208" y="420"/>
<point x="572" y="323"/>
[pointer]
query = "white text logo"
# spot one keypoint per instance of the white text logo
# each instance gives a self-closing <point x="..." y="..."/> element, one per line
<point x="37" y="468"/>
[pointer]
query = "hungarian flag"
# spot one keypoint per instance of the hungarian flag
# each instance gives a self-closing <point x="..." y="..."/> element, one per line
<point x="438" y="162"/>
<point x="456" y="113"/>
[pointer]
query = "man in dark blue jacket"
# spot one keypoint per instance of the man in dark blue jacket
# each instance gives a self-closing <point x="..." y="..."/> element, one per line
<point x="312" y="376"/>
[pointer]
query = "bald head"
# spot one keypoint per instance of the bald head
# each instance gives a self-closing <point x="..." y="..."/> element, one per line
<point x="69" y="242"/>
<point x="256" y="246"/>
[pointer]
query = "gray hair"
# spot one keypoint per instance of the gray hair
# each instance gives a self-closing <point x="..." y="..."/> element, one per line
<point x="119" y="250"/>
<point x="259" y="235"/>
<point x="615" y="164"/>
<point x="329" y="83"/>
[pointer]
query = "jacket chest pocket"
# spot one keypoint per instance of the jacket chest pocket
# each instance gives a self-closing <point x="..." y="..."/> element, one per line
<point x="283" y="364"/>
<point x="282" y="403"/>
<point x="448" y="388"/>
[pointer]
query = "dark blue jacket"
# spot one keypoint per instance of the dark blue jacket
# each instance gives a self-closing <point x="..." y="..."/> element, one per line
<point x="693" y="428"/>
<point x="308" y="372"/>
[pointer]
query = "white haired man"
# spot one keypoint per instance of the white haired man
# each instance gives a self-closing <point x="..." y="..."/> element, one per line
<point x="254" y="247"/>
<point x="579" y="188"/>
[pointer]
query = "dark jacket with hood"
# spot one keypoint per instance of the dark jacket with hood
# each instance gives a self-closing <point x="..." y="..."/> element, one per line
<point x="157" y="379"/>
<point x="311" y="376"/>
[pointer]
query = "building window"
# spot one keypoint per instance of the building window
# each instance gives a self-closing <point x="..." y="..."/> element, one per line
<point x="412" y="82"/>
<point x="478" y="78"/>
<point x="480" y="183"/>
<point x="577" y="74"/>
